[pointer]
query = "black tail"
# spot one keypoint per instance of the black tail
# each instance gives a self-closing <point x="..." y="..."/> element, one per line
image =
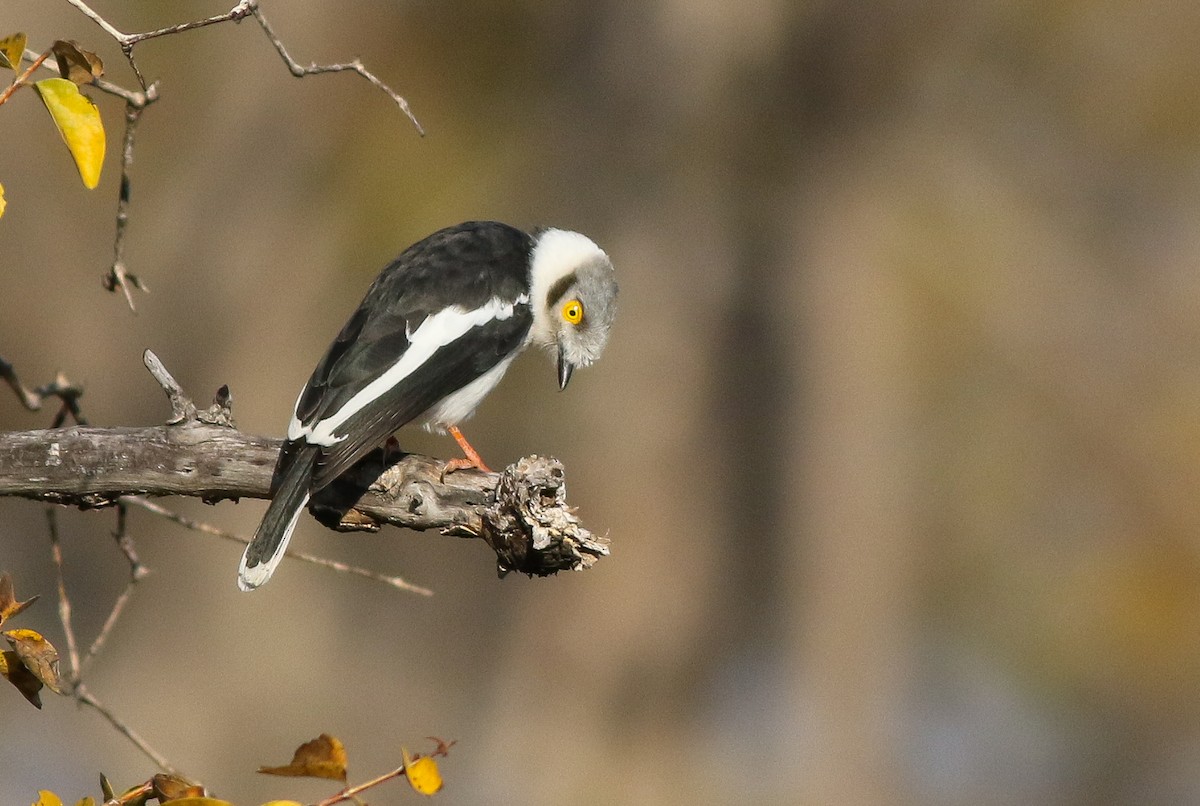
<point x="291" y="492"/>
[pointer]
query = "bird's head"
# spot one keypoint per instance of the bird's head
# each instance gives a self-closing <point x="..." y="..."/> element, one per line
<point x="574" y="298"/>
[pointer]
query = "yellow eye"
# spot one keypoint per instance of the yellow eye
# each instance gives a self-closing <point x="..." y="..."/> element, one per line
<point x="573" y="312"/>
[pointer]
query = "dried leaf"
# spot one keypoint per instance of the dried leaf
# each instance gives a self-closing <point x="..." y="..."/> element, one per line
<point x="443" y="746"/>
<point x="323" y="757"/>
<point x="78" y="121"/>
<point x="168" y="787"/>
<point x="12" y="48"/>
<point x="9" y="606"/>
<point x="19" y="675"/>
<point x="106" y="788"/>
<point x="76" y="64"/>
<point x="138" y="795"/>
<point x="38" y="655"/>
<point x="47" y="798"/>
<point x="422" y="773"/>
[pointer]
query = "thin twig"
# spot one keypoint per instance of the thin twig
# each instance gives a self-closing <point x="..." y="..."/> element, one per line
<point x="182" y="407"/>
<point x="243" y="9"/>
<point x="351" y="792"/>
<point x="136" y="572"/>
<point x="32" y="399"/>
<point x="96" y="18"/>
<point x="118" y="275"/>
<point x="19" y="81"/>
<point x="85" y="697"/>
<point x="64" y="602"/>
<point x="235" y="14"/>
<point x="300" y="71"/>
<point x="208" y="529"/>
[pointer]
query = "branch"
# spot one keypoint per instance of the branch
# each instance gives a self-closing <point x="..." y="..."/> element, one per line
<point x="118" y="275"/>
<point x="32" y="399"/>
<point x="521" y="513"/>
<point x="240" y="11"/>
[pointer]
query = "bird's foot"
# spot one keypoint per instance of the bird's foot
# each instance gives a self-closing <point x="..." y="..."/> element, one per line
<point x="472" y="458"/>
<point x="462" y="464"/>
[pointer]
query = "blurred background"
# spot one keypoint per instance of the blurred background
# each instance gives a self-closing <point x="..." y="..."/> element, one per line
<point x="897" y="439"/>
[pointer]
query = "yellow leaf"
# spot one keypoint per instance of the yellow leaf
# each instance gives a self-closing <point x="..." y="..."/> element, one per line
<point x="78" y="121"/>
<point x="9" y="606"/>
<point x="421" y="772"/>
<point x="283" y="803"/>
<point x="47" y="798"/>
<point x="199" y="802"/>
<point x="1" y="201"/>
<point x="19" y="675"/>
<point x="38" y="655"/>
<point x="12" y="48"/>
<point x="86" y="801"/>
<point x="323" y="757"/>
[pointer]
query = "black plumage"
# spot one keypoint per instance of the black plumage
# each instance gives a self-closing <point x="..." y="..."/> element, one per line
<point x="466" y="266"/>
<point x="434" y="334"/>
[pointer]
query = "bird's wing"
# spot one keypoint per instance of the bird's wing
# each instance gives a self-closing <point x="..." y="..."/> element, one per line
<point x="445" y="312"/>
<point x="406" y="389"/>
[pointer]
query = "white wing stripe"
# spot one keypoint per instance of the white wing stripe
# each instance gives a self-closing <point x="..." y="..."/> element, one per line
<point x="435" y="332"/>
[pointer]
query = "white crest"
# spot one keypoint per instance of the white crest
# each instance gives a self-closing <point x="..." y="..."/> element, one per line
<point x="557" y="253"/>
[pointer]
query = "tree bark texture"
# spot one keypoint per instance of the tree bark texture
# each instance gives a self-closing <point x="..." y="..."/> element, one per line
<point x="521" y="512"/>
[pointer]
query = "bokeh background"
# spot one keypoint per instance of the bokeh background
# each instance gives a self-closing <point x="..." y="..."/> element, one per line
<point x="897" y="439"/>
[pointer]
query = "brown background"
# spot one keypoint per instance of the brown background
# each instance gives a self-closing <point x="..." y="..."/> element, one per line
<point x="896" y="439"/>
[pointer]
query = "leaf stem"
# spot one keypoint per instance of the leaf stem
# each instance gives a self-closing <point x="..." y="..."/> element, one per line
<point x="19" y="81"/>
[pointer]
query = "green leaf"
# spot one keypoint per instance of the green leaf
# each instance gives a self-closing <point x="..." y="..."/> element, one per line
<point x="78" y="121"/>
<point x="12" y="48"/>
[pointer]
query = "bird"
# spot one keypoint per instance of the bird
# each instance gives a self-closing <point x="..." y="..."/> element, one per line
<point x="434" y="334"/>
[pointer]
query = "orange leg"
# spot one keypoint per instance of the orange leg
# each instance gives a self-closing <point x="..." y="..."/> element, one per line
<point x="472" y="459"/>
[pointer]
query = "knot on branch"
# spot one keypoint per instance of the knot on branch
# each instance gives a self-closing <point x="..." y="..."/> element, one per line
<point x="529" y="525"/>
<point x="183" y="410"/>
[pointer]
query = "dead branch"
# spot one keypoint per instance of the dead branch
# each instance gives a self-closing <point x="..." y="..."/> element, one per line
<point x="521" y="512"/>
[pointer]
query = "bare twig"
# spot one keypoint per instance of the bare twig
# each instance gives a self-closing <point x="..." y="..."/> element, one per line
<point x="352" y="792"/>
<point x="137" y="572"/>
<point x="136" y="102"/>
<point x="127" y="41"/>
<point x="240" y="11"/>
<point x="64" y="602"/>
<point x="182" y="408"/>
<point x="83" y="696"/>
<point x="20" y="80"/>
<point x="208" y="529"/>
<point x="32" y="399"/>
<point x="118" y="275"/>
<point x="75" y="685"/>
<point x="300" y="71"/>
